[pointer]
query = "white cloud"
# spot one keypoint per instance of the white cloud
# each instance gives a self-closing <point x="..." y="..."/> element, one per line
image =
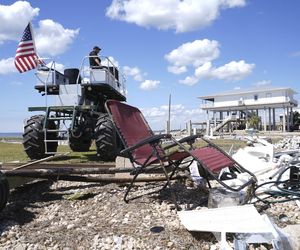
<point x="162" y="111"/>
<point x="138" y="76"/>
<point x="7" y="66"/>
<point x="182" y="16"/>
<point x="204" y="71"/>
<point x="153" y="112"/>
<point x="111" y="61"/>
<point x="149" y="84"/>
<point x="194" y="53"/>
<point x="52" y="38"/>
<point x="189" y="80"/>
<point x="262" y="83"/>
<point x="135" y="72"/>
<point x="180" y="114"/>
<point x="199" y="55"/>
<point x="14" y="18"/>
<point x="177" y="69"/>
<point x="233" y="71"/>
<point x="58" y="66"/>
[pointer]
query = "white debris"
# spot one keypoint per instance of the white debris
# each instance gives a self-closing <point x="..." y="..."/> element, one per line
<point x="236" y="219"/>
<point x="290" y="143"/>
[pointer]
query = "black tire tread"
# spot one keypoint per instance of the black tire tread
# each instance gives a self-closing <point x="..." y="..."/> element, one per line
<point x="106" y="139"/>
<point x="33" y="137"/>
<point x="4" y="191"/>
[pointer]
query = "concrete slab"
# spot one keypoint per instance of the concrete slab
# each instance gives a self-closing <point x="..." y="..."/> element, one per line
<point x="293" y="233"/>
<point x="237" y="219"/>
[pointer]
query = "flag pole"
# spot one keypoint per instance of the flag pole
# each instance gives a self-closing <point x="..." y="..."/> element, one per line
<point x="38" y="60"/>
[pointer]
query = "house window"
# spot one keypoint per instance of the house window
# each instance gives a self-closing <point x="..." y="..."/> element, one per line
<point x="255" y="97"/>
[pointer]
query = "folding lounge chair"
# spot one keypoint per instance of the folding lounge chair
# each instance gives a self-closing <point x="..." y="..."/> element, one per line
<point x="144" y="149"/>
<point x="212" y="160"/>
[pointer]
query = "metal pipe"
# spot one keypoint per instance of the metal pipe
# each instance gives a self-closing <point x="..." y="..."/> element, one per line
<point x="80" y="171"/>
<point x="97" y="179"/>
<point x="39" y="161"/>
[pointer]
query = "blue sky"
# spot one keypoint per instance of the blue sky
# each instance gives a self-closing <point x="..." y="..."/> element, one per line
<point x="185" y="48"/>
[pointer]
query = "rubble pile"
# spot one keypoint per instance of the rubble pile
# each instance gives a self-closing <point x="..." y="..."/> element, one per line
<point x="289" y="143"/>
<point x="40" y="216"/>
<point x="71" y="215"/>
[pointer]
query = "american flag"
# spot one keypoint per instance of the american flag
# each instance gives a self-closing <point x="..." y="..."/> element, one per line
<point x="26" y="57"/>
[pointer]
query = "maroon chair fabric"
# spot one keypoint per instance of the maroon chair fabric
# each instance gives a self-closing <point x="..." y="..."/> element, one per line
<point x="212" y="158"/>
<point x="133" y="128"/>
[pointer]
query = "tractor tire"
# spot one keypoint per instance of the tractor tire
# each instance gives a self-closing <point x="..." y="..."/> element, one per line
<point x="106" y="139"/>
<point x="4" y="191"/>
<point x="33" y="137"/>
<point x="81" y="143"/>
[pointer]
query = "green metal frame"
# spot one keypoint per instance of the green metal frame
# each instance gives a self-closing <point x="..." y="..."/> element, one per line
<point x="63" y="109"/>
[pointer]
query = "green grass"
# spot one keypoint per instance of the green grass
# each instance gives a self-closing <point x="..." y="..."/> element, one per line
<point x="14" y="152"/>
<point x="225" y="144"/>
<point x="11" y="139"/>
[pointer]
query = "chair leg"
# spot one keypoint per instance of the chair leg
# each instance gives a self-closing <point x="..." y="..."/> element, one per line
<point x="173" y="195"/>
<point x="171" y="175"/>
<point x="205" y="176"/>
<point x="131" y="185"/>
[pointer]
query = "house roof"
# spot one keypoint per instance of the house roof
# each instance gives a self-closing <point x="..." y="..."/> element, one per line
<point x="246" y="91"/>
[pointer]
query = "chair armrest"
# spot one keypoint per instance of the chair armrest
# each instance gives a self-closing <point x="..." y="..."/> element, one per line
<point x="190" y="138"/>
<point x="150" y="140"/>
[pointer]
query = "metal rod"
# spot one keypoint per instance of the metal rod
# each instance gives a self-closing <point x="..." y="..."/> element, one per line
<point x="38" y="161"/>
<point x="100" y="179"/>
<point x="67" y="165"/>
<point x="70" y="171"/>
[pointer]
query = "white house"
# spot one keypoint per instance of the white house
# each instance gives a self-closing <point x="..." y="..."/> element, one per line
<point x="266" y="102"/>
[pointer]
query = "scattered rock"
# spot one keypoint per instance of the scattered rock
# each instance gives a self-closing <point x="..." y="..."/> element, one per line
<point x="47" y="216"/>
<point x="39" y="217"/>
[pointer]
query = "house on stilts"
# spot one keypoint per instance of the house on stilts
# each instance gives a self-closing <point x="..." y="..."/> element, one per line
<point x="273" y="107"/>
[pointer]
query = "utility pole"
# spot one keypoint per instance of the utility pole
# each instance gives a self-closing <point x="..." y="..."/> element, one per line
<point x="169" y="117"/>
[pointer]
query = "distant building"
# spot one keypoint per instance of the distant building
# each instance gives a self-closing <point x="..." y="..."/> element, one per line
<point x="265" y="102"/>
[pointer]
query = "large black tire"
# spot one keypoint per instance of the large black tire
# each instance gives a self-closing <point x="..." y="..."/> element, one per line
<point x="81" y="143"/>
<point x="4" y="191"/>
<point x="106" y="139"/>
<point x="33" y="137"/>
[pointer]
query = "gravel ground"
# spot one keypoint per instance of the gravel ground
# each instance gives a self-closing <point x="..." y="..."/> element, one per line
<point x="43" y="215"/>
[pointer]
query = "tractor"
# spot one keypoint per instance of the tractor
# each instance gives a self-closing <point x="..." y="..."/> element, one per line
<point x="76" y="113"/>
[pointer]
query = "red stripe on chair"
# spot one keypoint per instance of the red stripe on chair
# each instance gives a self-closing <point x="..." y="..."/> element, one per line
<point x="212" y="158"/>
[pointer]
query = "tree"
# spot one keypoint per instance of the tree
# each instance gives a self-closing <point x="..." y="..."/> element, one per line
<point x="296" y="120"/>
<point x="254" y="121"/>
